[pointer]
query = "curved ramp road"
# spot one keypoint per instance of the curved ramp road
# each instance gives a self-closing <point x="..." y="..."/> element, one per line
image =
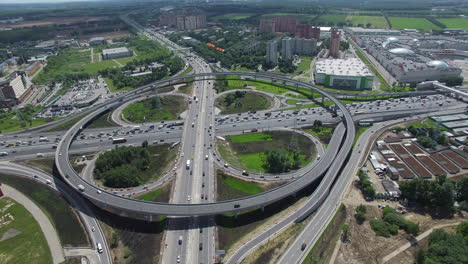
<point x="131" y="206"/>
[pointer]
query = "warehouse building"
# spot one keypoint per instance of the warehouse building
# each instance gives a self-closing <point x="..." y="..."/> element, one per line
<point x="14" y="88"/>
<point x="110" y="54"/>
<point x="343" y="73"/>
<point x="371" y="31"/>
<point x="409" y="59"/>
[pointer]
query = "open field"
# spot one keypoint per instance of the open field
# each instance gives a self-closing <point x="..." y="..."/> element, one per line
<point x="252" y="137"/>
<point x="375" y="21"/>
<point x="411" y="23"/>
<point x="454" y="22"/>
<point x="170" y="107"/>
<point x="232" y="16"/>
<point x="304" y="66"/>
<point x="29" y="245"/>
<point x="57" y="209"/>
<point x="329" y="19"/>
<point x="55" y="21"/>
<point x="247" y="151"/>
<point x="250" y="101"/>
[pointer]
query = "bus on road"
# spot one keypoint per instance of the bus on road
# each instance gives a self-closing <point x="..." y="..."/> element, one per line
<point x="118" y="140"/>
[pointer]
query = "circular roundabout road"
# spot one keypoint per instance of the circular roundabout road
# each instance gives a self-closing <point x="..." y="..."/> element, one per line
<point x="339" y="148"/>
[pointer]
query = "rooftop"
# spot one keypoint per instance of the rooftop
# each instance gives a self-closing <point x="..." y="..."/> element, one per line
<point x="115" y="50"/>
<point x="342" y="67"/>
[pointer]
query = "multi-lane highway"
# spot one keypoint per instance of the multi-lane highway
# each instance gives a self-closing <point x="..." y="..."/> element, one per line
<point x="191" y="237"/>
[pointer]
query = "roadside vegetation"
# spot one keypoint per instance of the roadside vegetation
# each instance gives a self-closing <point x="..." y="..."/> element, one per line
<point x="323" y="133"/>
<point x="229" y="187"/>
<point x="242" y="101"/>
<point x="437" y="196"/>
<point x="391" y="223"/>
<point x="160" y="195"/>
<point x="157" y="108"/>
<point x="270" y="152"/>
<point x="125" y="167"/>
<point x="21" y="118"/>
<point x="58" y="210"/>
<point x="25" y="242"/>
<point x="444" y="247"/>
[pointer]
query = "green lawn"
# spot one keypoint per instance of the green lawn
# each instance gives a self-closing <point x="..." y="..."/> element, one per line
<point x="54" y="206"/>
<point x="251" y="137"/>
<point x="304" y="66"/>
<point x="292" y="101"/>
<point x="247" y="151"/>
<point x="375" y="21"/>
<point x="93" y="68"/>
<point x="170" y="108"/>
<point x="187" y="71"/>
<point x="249" y="102"/>
<point x="112" y="87"/>
<point x="243" y="186"/>
<point x="30" y="246"/>
<point x="411" y="23"/>
<point x="253" y="161"/>
<point x="454" y="22"/>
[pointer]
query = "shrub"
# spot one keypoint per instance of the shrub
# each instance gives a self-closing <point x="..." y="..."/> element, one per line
<point x="380" y="227"/>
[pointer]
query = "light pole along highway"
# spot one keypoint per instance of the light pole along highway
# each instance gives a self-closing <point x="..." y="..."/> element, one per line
<point x="146" y="210"/>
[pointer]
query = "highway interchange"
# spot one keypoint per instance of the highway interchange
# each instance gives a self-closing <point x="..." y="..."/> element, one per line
<point x="197" y="137"/>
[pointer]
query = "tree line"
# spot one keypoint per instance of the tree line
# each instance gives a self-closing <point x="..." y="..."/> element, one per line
<point x="123" y="167"/>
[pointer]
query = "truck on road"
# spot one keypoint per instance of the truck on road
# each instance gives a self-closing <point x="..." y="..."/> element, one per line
<point x="188" y="165"/>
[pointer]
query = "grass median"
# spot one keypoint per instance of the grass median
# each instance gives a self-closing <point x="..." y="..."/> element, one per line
<point x="60" y="213"/>
<point x="26" y="242"/>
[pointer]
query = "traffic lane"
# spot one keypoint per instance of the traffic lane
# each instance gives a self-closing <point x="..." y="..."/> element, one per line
<point x="82" y="146"/>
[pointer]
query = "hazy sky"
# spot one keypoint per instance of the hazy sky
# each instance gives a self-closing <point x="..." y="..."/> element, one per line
<point x="37" y="1"/>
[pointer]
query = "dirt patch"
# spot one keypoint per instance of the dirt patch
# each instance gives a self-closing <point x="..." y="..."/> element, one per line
<point x="10" y="233"/>
<point x="366" y="247"/>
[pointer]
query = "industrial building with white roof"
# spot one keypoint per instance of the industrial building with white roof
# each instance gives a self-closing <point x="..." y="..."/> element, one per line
<point x="109" y="54"/>
<point x="343" y="73"/>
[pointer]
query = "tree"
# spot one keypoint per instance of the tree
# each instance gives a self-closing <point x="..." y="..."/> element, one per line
<point x="317" y="124"/>
<point x="360" y="214"/>
<point x="277" y="161"/>
<point x="442" y="139"/>
<point x="156" y="102"/>
<point x="462" y="229"/>
<point x="420" y="256"/>
<point x="426" y="142"/>
<point x="345" y="230"/>
<point x="144" y="144"/>
<point x="368" y="25"/>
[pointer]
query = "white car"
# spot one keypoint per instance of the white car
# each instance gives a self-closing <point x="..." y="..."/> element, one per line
<point x="189" y="198"/>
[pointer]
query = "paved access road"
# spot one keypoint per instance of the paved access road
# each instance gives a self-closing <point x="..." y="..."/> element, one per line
<point x="47" y="228"/>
